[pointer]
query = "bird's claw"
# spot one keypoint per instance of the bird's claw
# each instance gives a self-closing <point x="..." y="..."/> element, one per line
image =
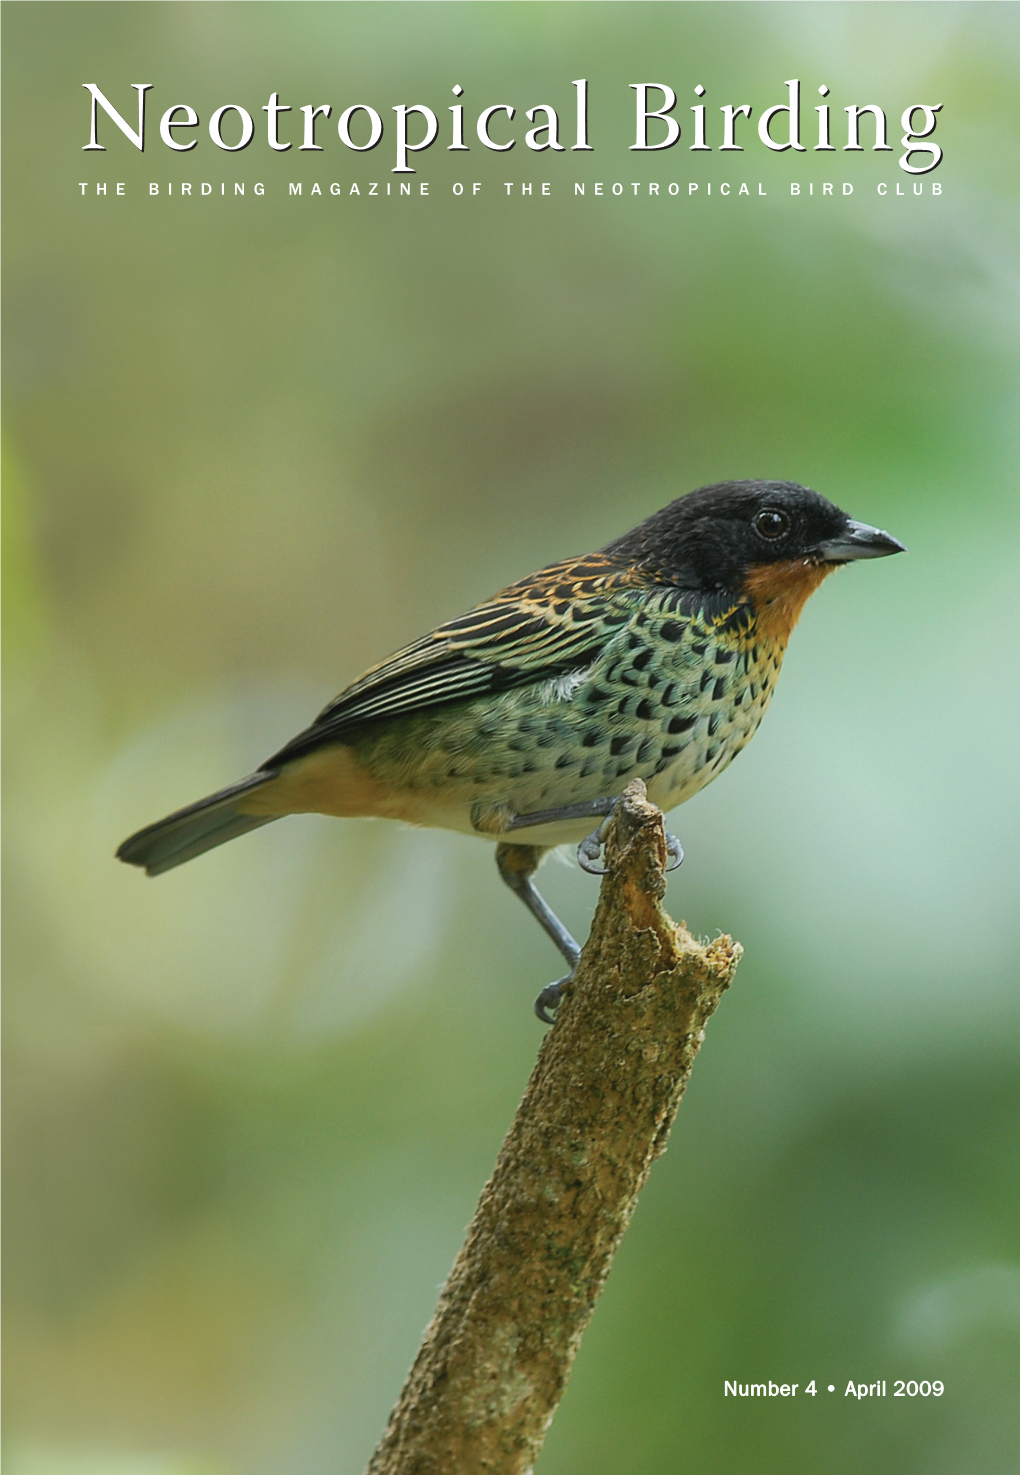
<point x="550" y="998"/>
<point x="589" y="853"/>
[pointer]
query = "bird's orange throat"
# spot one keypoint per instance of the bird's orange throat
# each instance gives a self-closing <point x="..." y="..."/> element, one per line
<point x="779" y="591"/>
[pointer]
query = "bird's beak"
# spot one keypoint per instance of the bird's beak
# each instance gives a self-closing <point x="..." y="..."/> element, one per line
<point x="858" y="540"/>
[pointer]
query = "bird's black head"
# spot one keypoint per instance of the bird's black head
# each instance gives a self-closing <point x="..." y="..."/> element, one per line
<point x="713" y="538"/>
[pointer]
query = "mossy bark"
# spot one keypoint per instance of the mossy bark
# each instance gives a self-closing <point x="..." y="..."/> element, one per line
<point x="597" y="1112"/>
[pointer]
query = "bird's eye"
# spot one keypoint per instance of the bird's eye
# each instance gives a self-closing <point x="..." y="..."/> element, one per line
<point x="771" y="524"/>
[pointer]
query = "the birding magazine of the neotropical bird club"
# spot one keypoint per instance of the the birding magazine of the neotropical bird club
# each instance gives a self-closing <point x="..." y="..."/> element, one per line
<point x="360" y="361"/>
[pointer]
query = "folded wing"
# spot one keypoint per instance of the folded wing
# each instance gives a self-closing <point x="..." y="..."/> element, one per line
<point x="544" y="626"/>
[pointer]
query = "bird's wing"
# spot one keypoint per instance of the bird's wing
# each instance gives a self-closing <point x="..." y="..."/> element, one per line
<point x="550" y="623"/>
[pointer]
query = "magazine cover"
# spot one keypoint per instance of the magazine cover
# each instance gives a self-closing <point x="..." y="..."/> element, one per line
<point x="325" y="323"/>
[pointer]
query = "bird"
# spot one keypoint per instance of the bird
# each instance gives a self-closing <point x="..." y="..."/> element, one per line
<point x="523" y="720"/>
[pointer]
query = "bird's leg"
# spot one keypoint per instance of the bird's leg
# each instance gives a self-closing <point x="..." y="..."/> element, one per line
<point x="589" y="852"/>
<point x="588" y="809"/>
<point x="517" y="864"/>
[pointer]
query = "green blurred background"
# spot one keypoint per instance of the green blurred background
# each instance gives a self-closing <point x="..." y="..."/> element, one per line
<point x="252" y="445"/>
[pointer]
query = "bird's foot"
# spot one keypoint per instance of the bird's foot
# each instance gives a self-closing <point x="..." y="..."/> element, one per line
<point x="589" y="852"/>
<point x="550" y="998"/>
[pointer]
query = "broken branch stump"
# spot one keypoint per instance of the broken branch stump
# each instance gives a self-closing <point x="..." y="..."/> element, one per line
<point x="597" y="1112"/>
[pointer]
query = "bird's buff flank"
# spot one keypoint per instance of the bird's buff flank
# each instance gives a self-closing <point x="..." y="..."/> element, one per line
<point x="522" y="720"/>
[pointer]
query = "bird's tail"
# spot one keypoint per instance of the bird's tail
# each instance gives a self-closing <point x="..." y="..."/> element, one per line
<point x="192" y="831"/>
